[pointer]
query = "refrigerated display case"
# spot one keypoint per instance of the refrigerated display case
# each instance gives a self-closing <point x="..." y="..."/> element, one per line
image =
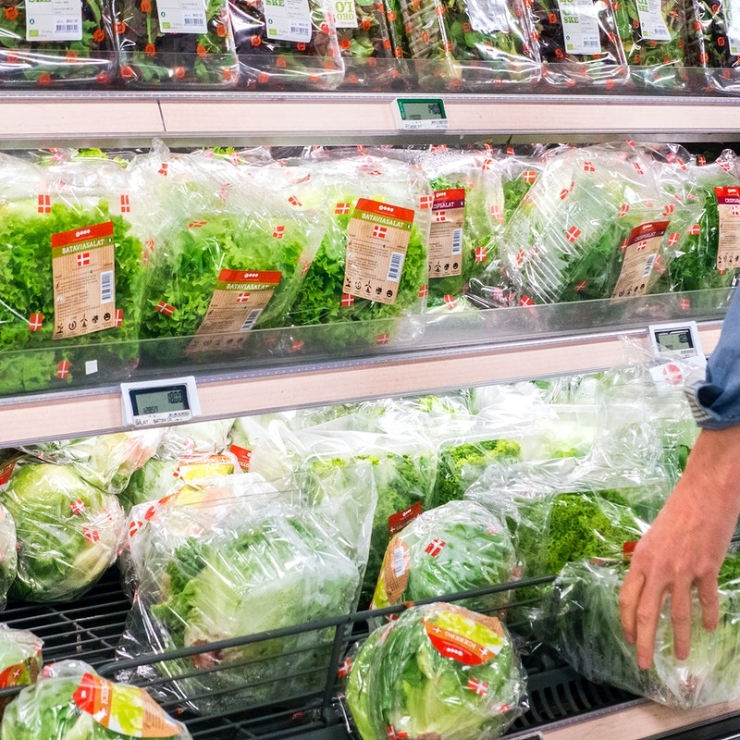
<point x="431" y="354"/>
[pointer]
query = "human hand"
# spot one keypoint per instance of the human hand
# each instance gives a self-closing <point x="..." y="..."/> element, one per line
<point x="684" y="548"/>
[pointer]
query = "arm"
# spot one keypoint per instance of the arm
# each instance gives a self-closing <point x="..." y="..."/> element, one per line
<point x="688" y="541"/>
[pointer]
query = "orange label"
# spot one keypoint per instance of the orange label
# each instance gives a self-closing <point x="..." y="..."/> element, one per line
<point x="244" y="457"/>
<point x="464" y="636"/>
<point x="641" y="257"/>
<point x="378" y="236"/>
<point x="6" y="471"/>
<point x="446" y="234"/>
<point x="397" y="521"/>
<point x="395" y="572"/>
<point x="125" y="709"/>
<point x="728" y="205"/>
<point x="83" y="266"/>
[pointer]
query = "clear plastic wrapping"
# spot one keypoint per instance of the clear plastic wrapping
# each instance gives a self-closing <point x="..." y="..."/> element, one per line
<point x="471" y="44"/>
<point x="70" y="47"/>
<point x="68" y="531"/>
<point x="584" y="615"/>
<point x="457" y="547"/>
<point x="174" y="46"/>
<point x="20" y="660"/>
<point x="70" y="701"/>
<point x="227" y="568"/>
<point x="198" y="438"/>
<point x="304" y="55"/>
<point x="579" y="44"/>
<point x="439" y="670"/>
<point x="58" y="223"/>
<point x="714" y="43"/>
<point x="8" y="553"/>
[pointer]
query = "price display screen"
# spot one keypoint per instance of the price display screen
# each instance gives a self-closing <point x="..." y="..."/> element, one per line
<point x="159" y="400"/>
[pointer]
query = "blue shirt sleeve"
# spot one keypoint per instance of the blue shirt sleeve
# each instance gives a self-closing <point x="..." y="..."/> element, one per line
<point x="716" y="401"/>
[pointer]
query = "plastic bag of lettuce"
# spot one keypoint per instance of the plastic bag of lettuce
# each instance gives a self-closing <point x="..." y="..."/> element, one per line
<point x="233" y="566"/>
<point x="20" y="660"/>
<point x="8" y="552"/>
<point x="66" y="703"/>
<point x="438" y="671"/>
<point x="584" y="616"/>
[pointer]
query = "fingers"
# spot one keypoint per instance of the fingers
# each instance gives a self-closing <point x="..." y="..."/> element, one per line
<point x="629" y="598"/>
<point x="681" y="619"/>
<point x="709" y="601"/>
<point x="647" y="614"/>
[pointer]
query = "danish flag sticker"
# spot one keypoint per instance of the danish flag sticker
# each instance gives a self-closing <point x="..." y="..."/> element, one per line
<point x="435" y="547"/>
<point x="83" y="259"/>
<point x="379" y="232"/>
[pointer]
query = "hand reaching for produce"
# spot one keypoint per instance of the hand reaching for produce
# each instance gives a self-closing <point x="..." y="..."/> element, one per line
<point x="685" y="547"/>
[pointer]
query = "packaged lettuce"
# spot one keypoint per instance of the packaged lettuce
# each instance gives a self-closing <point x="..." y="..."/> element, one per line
<point x="221" y="266"/>
<point x="471" y="45"/>
<point x="654" y="37"/>
<point x="20" y="660"/>
<point x="585" y="615"/>
<point x="457" y="547"/>
<point x="70" y="700"/>
<point x="70" y="46"/>
<point x="68" y="531"/>
<point x="300" y="52"/>
<point x="174" y="45"/>
<point x="232" y="568"/>
<point x="8" y="551"/>
<point x="714" y="43"/>
<point x="198" y="438"/>
<point x="63" y="227"/>
<point x="579" y="44"/>
<point x="439" y="670"/>
<point x="107" y="461"/>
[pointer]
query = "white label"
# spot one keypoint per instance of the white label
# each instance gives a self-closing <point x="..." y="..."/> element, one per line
<point x="53" y="20"/>
<point x="732" y="19"/>
<point x="288" y="20"/>
<point x="345" y="13"/>
<point x="182" y="16"/>
<point x="488" y="16"/>
<point x="652" y="24"/>
<point x="580" y="26"/>
<point x="91" y="367"/>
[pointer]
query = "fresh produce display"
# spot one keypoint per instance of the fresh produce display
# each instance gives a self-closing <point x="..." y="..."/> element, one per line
<point x="198" y="438"/>
<point x="8" y="551"/>
<point x="68" y="531"/>
<point x="44" y="207"/>
<point x="439" y="670"/>
<point x="229" y="568"/>
<point x="300" y="52"/>
<point x="465" y="44"/>
<point x="579" y="44"/>
<point x="454" y="548"/>
<point x="71" y="702"/>
<point x="653" y="34"/>
<point x="20" y="660"/>
<point x="69" y="47"/>
<point x="714" y="43"/>
<point x="188" y="45"/>
<point x="461" y="463"/>
<point x="585" y="615"/>
<point x="107" y="461"/>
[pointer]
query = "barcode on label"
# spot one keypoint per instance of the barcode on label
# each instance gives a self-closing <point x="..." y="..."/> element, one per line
<point x="106" y="286"/>
<point x="591" y="43"/>
<point x="67" y="27"/>
<point x="457" y="240"/>
<point x="300" y="29"/>
<point x="195" y="19"/>
<point x="251" y="319"/>
<point x="649" y="265"/>
<point x="394" y="269"/>
<point x="399" y="567"/>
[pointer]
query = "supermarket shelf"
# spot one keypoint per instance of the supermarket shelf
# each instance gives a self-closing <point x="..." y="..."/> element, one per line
<point x="96" y="411"/>
<point x="128" y="118"/>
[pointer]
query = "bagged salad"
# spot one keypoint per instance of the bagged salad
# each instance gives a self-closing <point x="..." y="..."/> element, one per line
<point x="278" y="52"/>
<point x="714" y="43"/>
<point x="20" y="660"/>
<point x="70" y="700"/>
<point x="179" y="45"/>
<point x="439" y="670"/>
<point x="471" y="45"/>
<point x="72" y="45"/>
<point x="584" y="614"/>
<point x="8" y="552"/>
<point x="231" y="567"/>
<point x="63" y="227"/>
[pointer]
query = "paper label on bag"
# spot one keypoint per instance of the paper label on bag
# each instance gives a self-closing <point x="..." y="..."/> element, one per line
<point x="399" y="520"/>
<point x="288" y="20"/>
<point x="488" y="16"/>
<point x="192" y="468"/>
<point x="446" y="233"/>
<point x="378" y="236"/>
<point x="463" y="636"/>
<point x="182" y="16"/>
<point x="53" y="20"/>
<point x="732" y="25"/>
<point x="345" y="14"/>
<point x="641" y="253"/>
<point x="728" y="205"/>
<point x="128" y="710"/>
<point x="396" y="568"/>
<point x="83" y="267"/>
<point x="652" y="23"/>
<point x="237" y="303"/>
<point x="580" y="26"/>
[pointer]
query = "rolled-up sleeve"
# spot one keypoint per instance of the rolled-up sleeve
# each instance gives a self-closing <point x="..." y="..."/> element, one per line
<point x="715" y="402"/>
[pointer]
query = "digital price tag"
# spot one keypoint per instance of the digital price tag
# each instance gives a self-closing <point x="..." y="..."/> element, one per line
<point x="680" y="340"/>
<point x="157" y="402"/>
<point x="413" y="114"/>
